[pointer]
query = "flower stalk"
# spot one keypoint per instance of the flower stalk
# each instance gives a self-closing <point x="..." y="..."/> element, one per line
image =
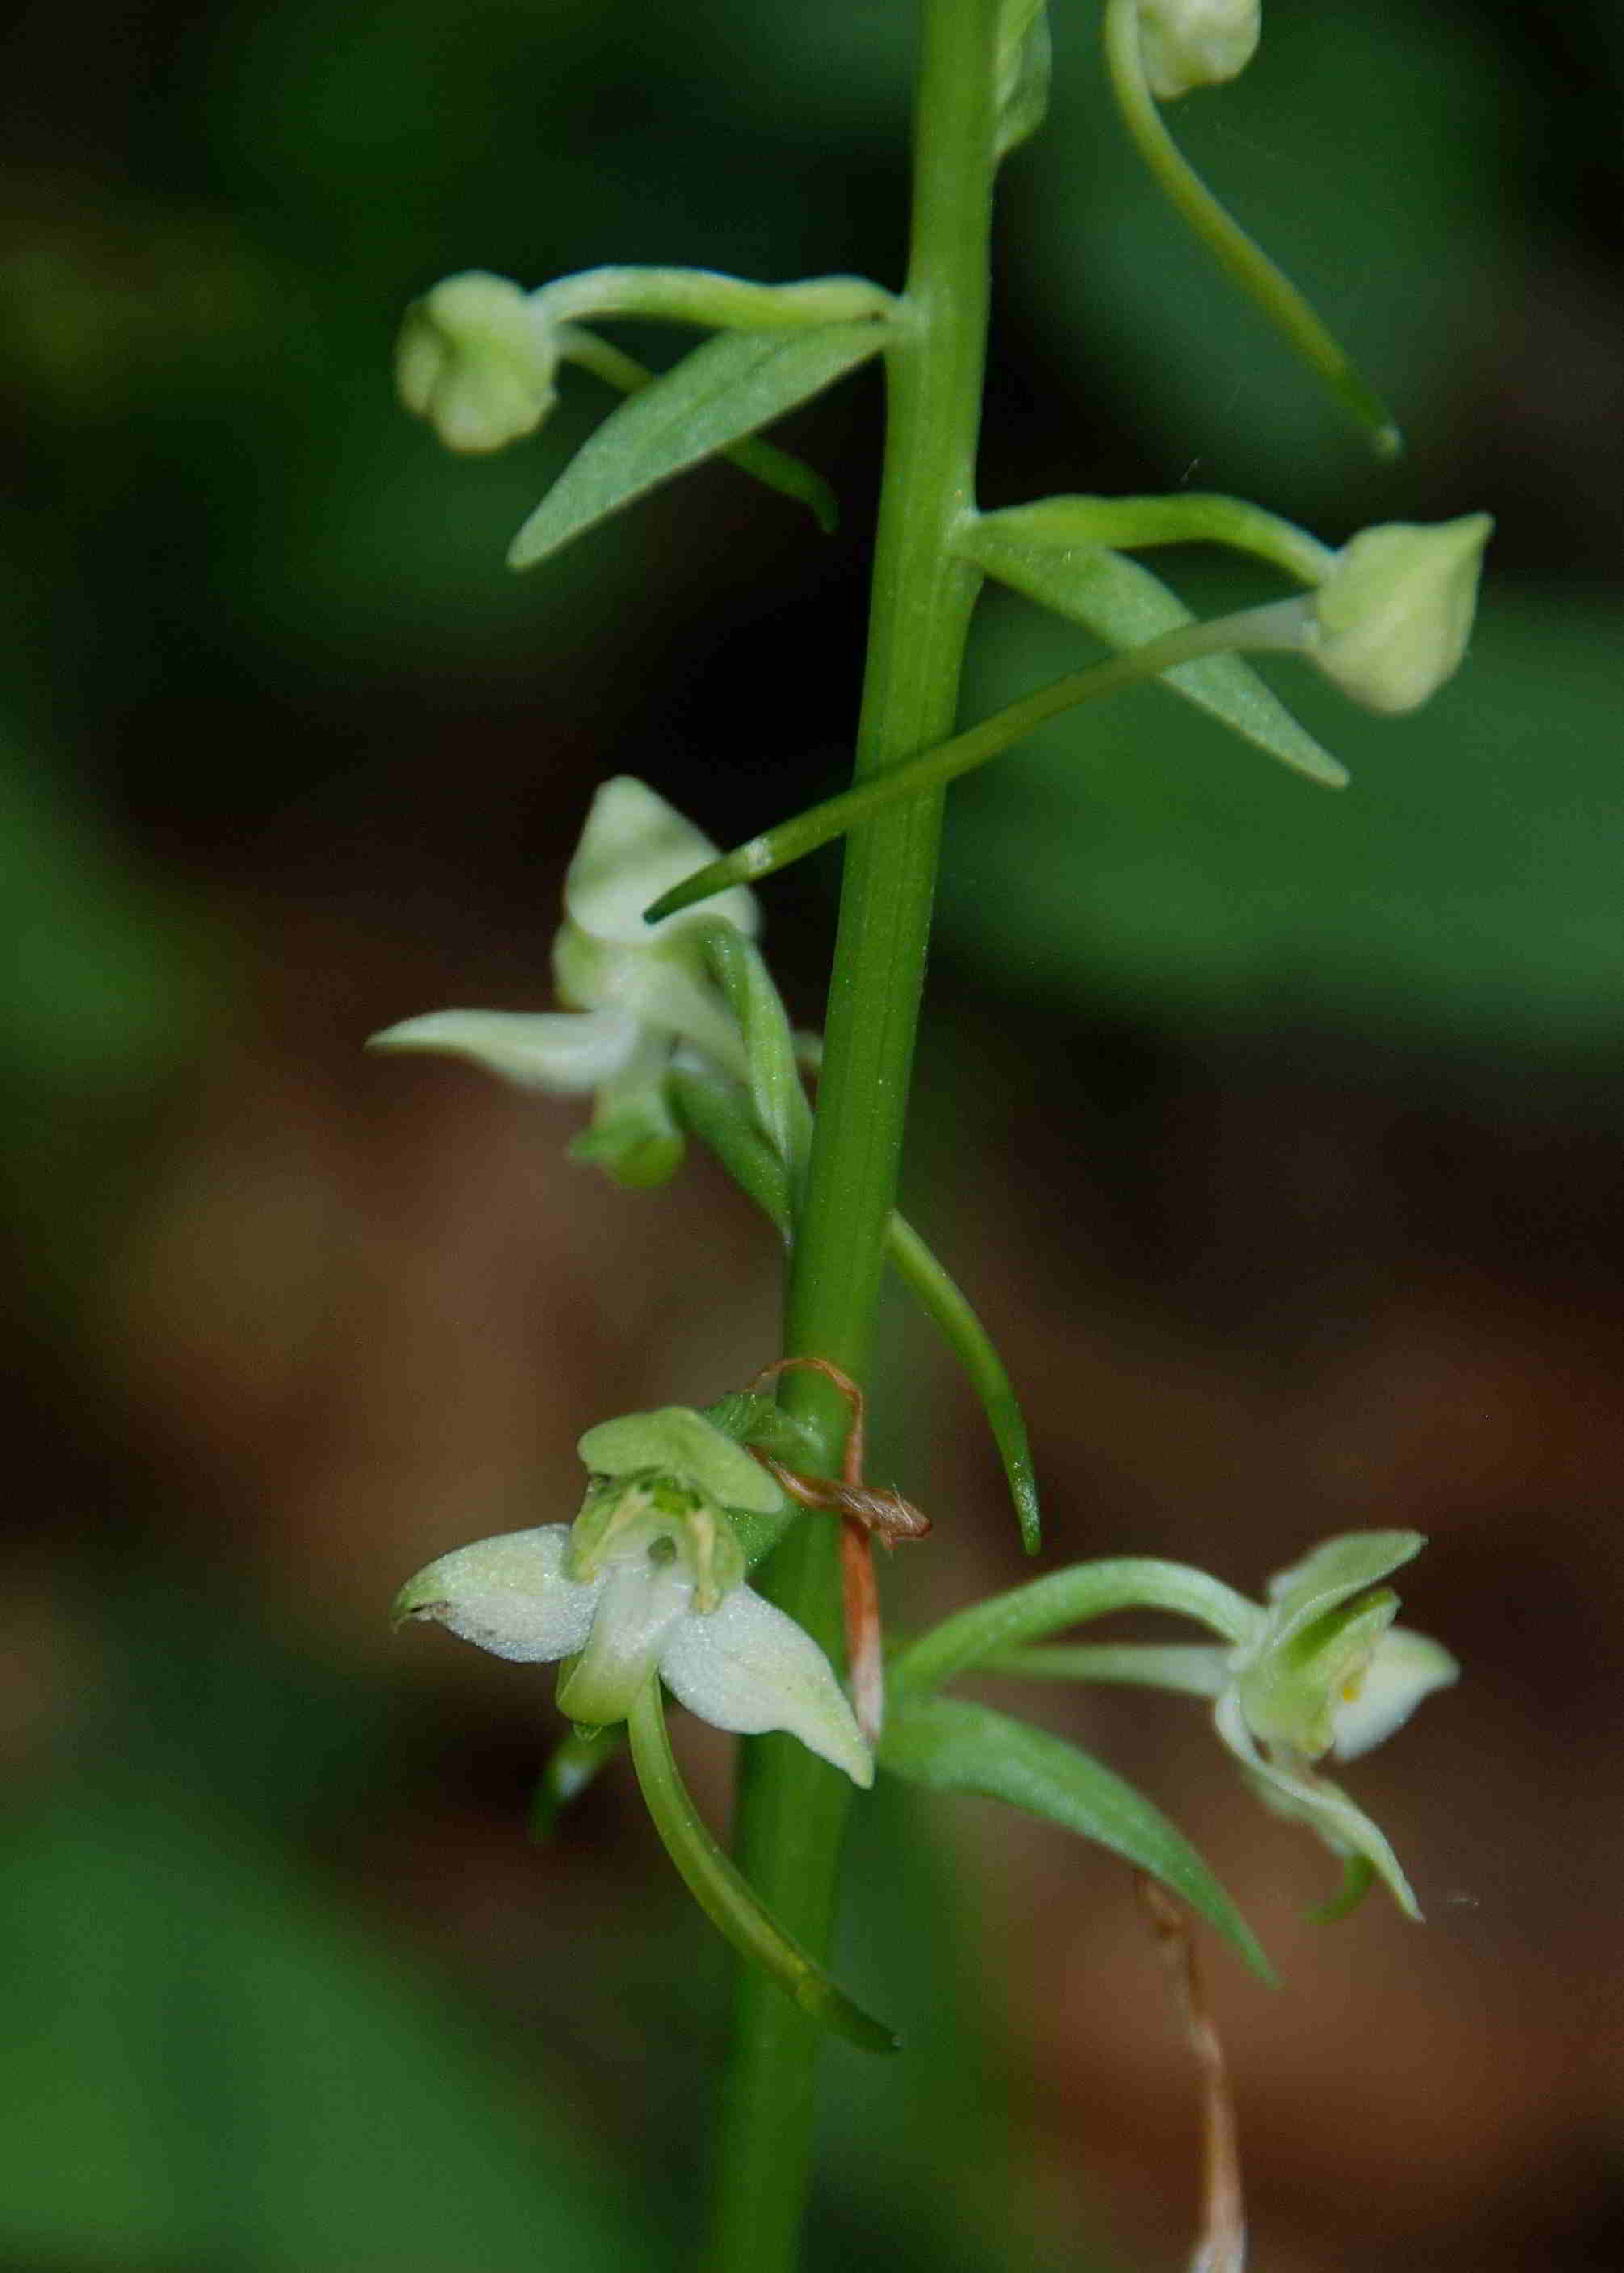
<point x="791" y="1812"/>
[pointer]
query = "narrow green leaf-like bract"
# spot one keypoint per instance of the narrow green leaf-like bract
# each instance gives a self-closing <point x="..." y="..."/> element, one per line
<point x="775" y="469"/>
<point x="714" y="396"/>
<point x="946" y="1744"/>
<point x="943" y="1300"/>
<point x="1126" y="605"/>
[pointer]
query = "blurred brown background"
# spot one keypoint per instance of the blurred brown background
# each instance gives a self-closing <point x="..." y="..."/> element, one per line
<point x="1280" y="1137"/>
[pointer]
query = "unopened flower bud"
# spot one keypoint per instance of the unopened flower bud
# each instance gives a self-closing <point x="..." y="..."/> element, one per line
<point x="1190" y="43"/>
<point x="1392" y="618"/>
<point x="472" y="361"/>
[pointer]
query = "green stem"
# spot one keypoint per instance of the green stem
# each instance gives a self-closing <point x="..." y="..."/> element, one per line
<point x="791" y="1808"/>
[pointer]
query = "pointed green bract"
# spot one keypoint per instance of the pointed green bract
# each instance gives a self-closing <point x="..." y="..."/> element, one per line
<point x="718" y="1110"/>
<point x="1024" y="69"/>
<point x="1127" y="605"/>
<point x="774" y="469"/>
<point x="776" y="1088"/>
<point x="944" y="1745"/>
<point x="712" y="398"/>
<point x="944" y="1302"/>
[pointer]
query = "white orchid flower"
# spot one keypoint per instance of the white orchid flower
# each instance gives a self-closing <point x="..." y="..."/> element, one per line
<point x="1328" y="1671"/>
<point x="649" y="1580"/>
<point x="635" y="991"/>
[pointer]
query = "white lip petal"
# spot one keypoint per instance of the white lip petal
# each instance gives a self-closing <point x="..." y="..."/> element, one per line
<point x="634" y="847"/>
<point x="666" y="997"/>
<point x="639" y="1605"/>
<point x="563" y="1052"/>
<point x="747" y="1668"/>
<point x="1405" y="1668"/>
<point x="508" y="1595"/>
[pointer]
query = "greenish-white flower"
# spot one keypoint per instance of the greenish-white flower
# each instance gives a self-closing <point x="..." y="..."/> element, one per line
<point x="1388" y="622"/>
<point x="1392" y="620"/>
<point x="474" y="361"/>
<point x="649" y="1581"/>
<point x="1190" y="43"/>
<point x="635" y="991"/>
<point x="1326" y="1671"/>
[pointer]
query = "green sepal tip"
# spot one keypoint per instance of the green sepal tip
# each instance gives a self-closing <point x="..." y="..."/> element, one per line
<point x="576" y="1762"/>
<point x="1358" y="1877"/>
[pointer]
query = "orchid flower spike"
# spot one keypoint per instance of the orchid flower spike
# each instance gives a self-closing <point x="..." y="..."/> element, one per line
<point x="1190" y="43"/>
<point x="649" y="1580"/>
<point x="1328" y="1671"/>
<point x="635" y="991"/>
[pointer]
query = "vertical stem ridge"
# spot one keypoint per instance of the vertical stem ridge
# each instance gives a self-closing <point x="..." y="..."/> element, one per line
<point x="792" y="1807"/>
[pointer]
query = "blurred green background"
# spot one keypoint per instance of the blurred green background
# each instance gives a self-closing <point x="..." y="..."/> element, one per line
<point x="1281" y="1136"/>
